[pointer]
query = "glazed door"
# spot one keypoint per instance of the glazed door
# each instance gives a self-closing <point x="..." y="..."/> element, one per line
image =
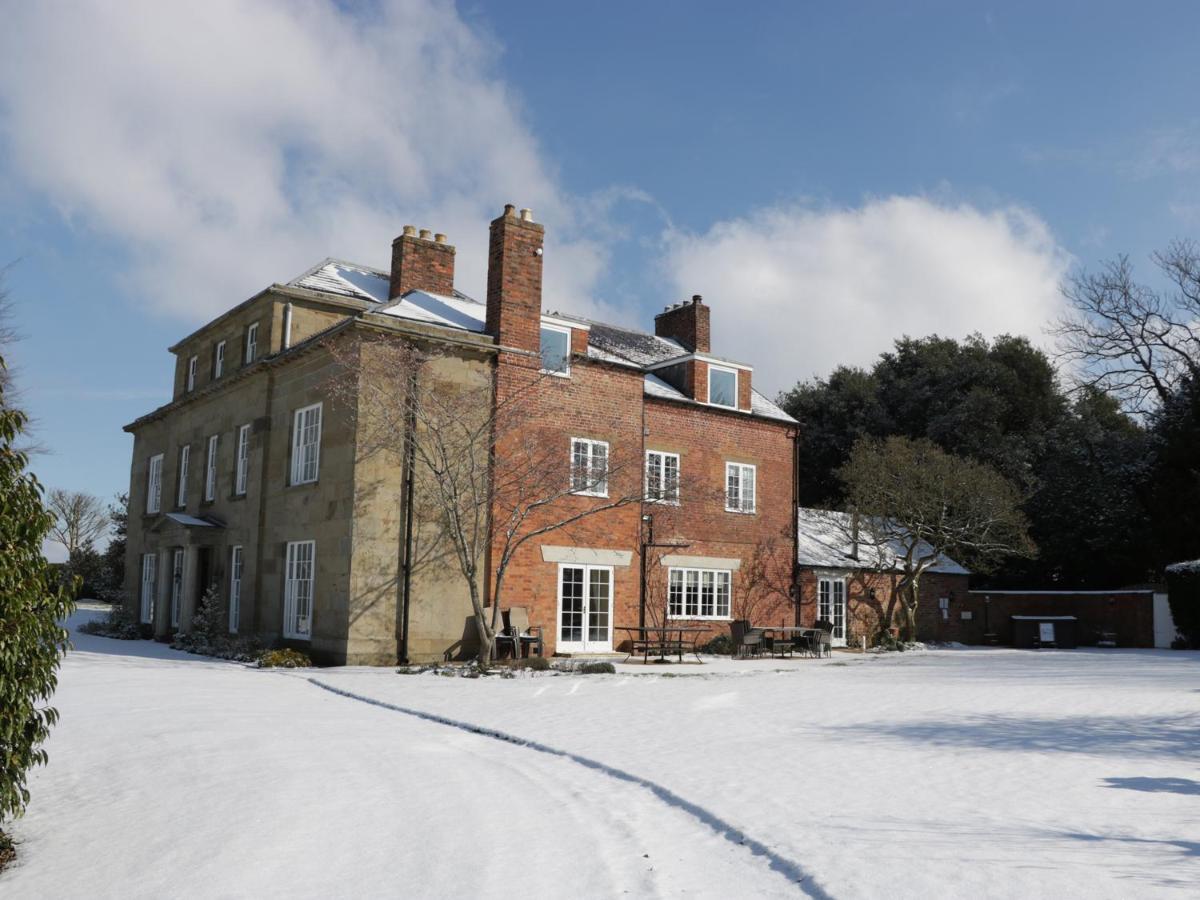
<point x="585" y="597"/>
<point x="831" y="606"/>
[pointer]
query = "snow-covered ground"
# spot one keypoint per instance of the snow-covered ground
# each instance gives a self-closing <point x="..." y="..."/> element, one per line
<point x="954" y="773"/>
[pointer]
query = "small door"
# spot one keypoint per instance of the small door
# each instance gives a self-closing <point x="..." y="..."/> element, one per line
<point x="831" y="606"/>
<point x="1046" y="632"/>
<point x="585" y="597"/>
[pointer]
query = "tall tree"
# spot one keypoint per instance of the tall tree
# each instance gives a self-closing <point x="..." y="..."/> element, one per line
<point x="1175" y="477"/>
<point x="32" y="642"/>
<point x="919" y="503"/>
<point x="79" y="519"/>
<point x="1129" y="340"/>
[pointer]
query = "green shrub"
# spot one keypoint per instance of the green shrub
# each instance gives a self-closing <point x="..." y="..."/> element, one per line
<point x="535" y="663"/>
<point x="721" y="645"/>
<point x="1183" y="597"/>
<point x="119" y="623"/>
<point x="287" y="658"/>
<point x="32" y="642"/>
<point x="597" y="668"/>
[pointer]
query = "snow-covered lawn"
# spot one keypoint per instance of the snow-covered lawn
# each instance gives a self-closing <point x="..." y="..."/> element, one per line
<point x="954" y="773"/>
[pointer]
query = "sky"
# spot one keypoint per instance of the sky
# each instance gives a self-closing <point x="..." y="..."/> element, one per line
<point x="829" y="177"/>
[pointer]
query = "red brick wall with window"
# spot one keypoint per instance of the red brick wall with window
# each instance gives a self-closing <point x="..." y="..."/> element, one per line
<point x="604" y="402"/>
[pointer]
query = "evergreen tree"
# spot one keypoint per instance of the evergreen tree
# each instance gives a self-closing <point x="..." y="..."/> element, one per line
<point x="32" y="642"/>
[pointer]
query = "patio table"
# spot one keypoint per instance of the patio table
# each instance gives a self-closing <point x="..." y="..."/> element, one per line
<point x="662" y="640"/>
<point x="802" y="630"/>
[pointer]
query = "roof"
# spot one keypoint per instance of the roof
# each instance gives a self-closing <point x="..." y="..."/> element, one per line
<point x="1044" y="618"/>
<point x="1179" y="568"/>
<point x="612" y="344"/>
<point x="823" y="540"/>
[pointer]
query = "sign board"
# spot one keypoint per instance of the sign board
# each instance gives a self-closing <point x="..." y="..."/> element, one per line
<point x="967" y="615"/>
<point x="1046" y="632"/>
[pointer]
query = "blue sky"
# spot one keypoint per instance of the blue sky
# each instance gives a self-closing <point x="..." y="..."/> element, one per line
<point x="829" y="176"/>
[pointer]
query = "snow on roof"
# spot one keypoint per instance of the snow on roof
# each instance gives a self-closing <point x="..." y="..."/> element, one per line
<point x="438" y="309"/>
<point x="824" y="542"/>
<point x="1179" y="568"/>
<point x="335" y="276"/>
<point x="609" y="343"/>
<point x="191" y="521"/>
<point x="637" y="347"/>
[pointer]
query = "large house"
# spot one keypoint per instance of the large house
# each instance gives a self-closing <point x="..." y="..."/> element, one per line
<point x="251" y="481"/>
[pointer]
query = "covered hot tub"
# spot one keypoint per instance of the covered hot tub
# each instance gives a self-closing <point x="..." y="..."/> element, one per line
<point x="1035" y="632"/>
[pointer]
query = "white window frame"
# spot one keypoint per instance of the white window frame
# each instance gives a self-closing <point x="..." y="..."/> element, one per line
<point x="599" y="487"/>
<point x="210" y="470"/>
<point x="825" y="598"/>
<point x="242" y="472"/>
<point x="193" y="364"/>
<point x="251" y="348"/>
<point x="657" y="469"/>
<point x="744" y="507"/>
<point x="736" y="385"/>
<point x="178" y="564"/>
<point x="236" y="564"/>
<point x="219" y="360"/>
<point x="154" y="472"/>
<point x="587" y="613"/>
<point x="565" y="372"/>
<point x="296" y="625"/>
<point x="185" y="455"/>
<point x="149" y="586"/>
<point x="688" y="585"/>
<point x="304" y="454"/>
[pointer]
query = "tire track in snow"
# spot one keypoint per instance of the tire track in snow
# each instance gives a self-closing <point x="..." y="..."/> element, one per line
<point x="788" y="868"/>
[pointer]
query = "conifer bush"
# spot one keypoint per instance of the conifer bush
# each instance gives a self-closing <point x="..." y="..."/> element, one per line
<point x="32" y="605"/>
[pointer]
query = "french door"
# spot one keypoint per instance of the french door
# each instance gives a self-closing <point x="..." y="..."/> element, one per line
<point x="585" y="596"/>
<point x="831" y="606"/>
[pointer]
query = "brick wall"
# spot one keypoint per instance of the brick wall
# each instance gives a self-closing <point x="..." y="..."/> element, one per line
<point x="419" y="263"/>
<point x="1130" y="614"/>
<point x="603" y="402"/>
<point x="869" y="596"/>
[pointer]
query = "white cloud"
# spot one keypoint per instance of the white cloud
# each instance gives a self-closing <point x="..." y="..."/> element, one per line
<point x="227" y="145"/>
<point x="798" y="290"/>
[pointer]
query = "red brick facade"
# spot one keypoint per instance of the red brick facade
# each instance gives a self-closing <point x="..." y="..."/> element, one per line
<point x="869" y="593"/>
<point x="641" y="541"/>
<point x="1127" y="614"/>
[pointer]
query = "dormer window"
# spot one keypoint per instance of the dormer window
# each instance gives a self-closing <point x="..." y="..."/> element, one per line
<point x="218" y="360"/>
<point x="722" y="386"/>
<point x="251" y="344"/>
<point x="193" y="364"/>
<point x="556" y="350"/>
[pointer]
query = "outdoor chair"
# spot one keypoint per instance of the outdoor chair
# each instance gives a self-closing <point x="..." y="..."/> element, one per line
<point x="506" y="639"/>
<point x="822" y="638"/>
<point x="525" y="638"/>
<point x="746" y="640"/>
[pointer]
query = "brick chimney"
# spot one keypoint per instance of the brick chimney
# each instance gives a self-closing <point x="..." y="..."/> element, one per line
<point x="421" y="262"/>
<point x="514" y="285"/>
<point x="686" y="323"/>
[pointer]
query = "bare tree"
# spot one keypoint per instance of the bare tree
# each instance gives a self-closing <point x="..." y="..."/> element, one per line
<point x="1130" y="340"/>
<point x="488" y="475"/>
<point x="919" y="505"/>
<point x="79" y="519"/>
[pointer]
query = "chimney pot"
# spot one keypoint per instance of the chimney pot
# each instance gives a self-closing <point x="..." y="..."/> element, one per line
<point x="440" y="238"/>
<point x="410" y="230"/>
<point x="426" y="234"/>
<point x="527" y="215"/>
<point x="509" y="209"/>
<point x="696" y="298"/>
